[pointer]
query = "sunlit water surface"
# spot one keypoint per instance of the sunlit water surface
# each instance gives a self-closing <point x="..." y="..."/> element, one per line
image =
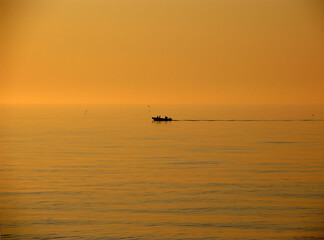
<point x="112" y="173"/>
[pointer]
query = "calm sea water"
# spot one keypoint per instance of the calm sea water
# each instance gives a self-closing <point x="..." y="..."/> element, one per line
<point x="112" y="173"/>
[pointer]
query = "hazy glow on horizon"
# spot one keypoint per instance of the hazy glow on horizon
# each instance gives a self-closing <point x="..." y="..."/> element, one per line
<point x="162" y="51"/>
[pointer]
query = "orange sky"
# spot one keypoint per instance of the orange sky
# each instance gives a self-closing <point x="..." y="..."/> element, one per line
<point x="162" y="51"/>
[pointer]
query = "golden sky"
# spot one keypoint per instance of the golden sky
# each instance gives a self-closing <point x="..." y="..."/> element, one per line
<point x="162" y="51"/>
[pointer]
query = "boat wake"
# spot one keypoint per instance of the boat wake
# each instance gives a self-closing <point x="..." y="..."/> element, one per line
<point x="248" y="120"/>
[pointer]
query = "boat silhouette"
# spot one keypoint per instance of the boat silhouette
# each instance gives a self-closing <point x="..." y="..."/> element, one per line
<point x="158" y="118"/>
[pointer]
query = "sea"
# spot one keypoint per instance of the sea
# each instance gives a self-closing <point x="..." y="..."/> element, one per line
<point x="99" y="172"/>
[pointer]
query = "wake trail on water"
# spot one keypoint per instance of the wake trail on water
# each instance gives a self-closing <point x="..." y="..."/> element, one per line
<point x="248" y="120"/>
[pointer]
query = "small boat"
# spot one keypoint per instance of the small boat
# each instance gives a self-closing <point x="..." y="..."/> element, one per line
<point x="158" y="118"/>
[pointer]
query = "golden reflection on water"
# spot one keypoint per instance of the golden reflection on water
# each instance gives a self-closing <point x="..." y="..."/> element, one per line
<point x="115" y="174"/>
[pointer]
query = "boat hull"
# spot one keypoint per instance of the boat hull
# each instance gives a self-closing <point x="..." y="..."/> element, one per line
<point x="161" y="119"/>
